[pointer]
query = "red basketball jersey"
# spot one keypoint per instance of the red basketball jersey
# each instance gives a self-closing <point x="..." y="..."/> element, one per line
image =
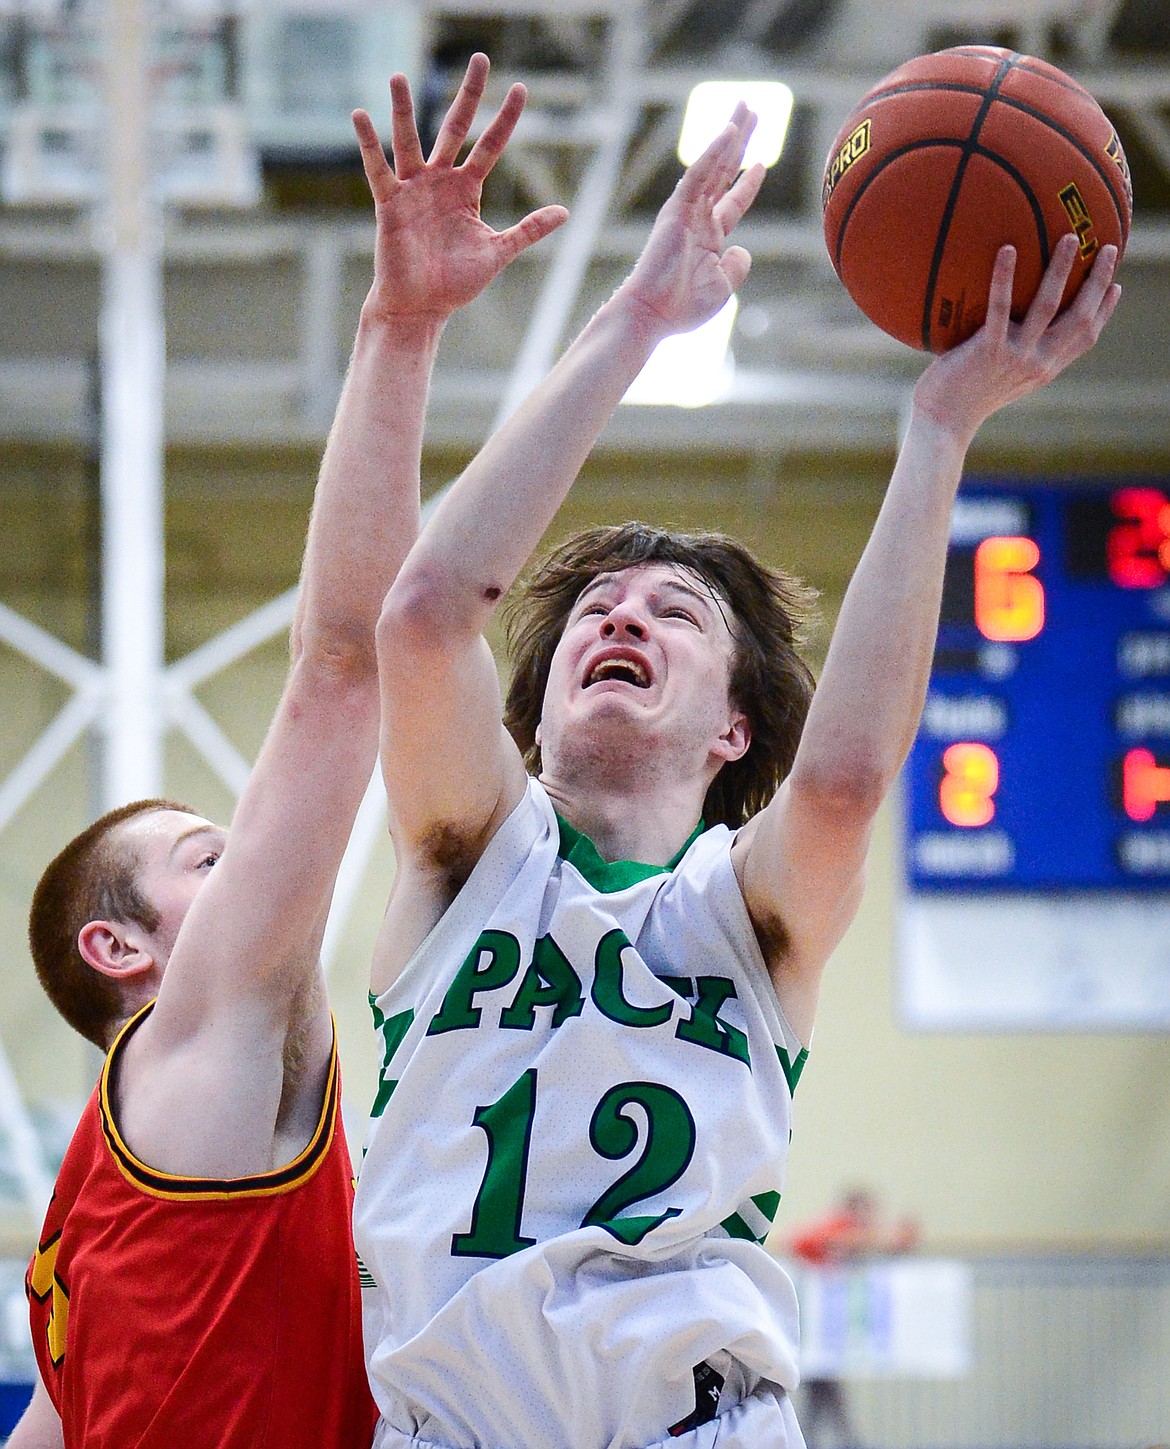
<point x="169" y="1311"/>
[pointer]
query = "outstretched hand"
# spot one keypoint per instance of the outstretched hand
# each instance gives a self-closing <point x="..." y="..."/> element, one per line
<point x="1006" y="360"/>
<point x="434" y="253"/>
<point x="687" y="271"/>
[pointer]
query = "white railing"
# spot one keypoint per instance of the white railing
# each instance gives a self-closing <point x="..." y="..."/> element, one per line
<point x="1066" y="1352"/>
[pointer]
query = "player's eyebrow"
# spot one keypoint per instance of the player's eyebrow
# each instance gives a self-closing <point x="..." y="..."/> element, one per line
<point x="703" y="592"/>
<point x="705" y="596"/>
<point x="595" y="583"/>
<point x="190" y="834"/>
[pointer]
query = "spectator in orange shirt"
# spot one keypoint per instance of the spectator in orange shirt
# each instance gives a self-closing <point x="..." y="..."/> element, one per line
<point x="850" y="1231"/>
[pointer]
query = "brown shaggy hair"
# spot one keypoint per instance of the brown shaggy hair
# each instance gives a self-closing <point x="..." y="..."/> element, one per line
<point x="770" y="682"/>
<point x="95" y="878"/>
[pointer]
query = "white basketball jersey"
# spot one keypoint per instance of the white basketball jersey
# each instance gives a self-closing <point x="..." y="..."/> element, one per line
<point x="576" y="1150"/>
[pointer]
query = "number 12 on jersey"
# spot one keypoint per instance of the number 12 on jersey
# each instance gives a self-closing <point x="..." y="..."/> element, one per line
<point x="667" y="1142"/>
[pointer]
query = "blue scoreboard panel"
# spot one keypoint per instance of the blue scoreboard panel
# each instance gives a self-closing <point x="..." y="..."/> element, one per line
<point x="1042" y="763"/>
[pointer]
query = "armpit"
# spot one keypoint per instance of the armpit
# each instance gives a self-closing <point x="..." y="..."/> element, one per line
<point x="451" y="854"/>
<point x="773" y="935"/>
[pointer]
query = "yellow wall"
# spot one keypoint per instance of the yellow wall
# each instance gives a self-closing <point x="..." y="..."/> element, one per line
<point x="986" y="1138"/>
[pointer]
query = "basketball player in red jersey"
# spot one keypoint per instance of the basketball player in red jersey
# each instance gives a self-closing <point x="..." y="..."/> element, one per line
<point x="195" y="1282"/>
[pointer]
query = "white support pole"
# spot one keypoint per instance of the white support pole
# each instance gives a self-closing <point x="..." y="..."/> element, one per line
<point x="563" y="281"/>
<point x="587" y="215"/>
<point x="133" y="361"/>
<point x="320" y="305"/>
<point x="46" y="650"/>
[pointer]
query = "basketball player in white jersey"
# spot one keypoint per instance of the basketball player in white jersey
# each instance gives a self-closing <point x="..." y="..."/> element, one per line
<point x="596" y="982"/>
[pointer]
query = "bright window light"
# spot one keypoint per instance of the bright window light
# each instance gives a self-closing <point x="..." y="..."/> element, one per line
<point x="709" y="109"/>
<point x="691" y="369"/>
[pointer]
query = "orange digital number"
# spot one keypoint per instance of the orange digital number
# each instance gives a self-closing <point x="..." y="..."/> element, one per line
<point x="1144" y="784"/>
<point x="1009" y="599"/>
<point x="966" y="793"/>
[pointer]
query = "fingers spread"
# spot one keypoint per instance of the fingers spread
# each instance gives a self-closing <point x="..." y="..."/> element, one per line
<point x="374" y="163"/>
<point x="457" y="121"/>
<point x="1076" y="331"/>
<point x="488" y="149"/>
<point x="408" y="156"/>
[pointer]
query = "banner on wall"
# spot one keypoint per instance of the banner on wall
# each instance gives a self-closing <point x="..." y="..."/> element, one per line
<point x="897" y="1318"/>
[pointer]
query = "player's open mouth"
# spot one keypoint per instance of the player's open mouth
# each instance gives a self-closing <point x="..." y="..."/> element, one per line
<point x="624" y="671"/>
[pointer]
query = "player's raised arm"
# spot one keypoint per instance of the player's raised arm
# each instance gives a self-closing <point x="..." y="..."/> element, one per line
<point x="801" y="860"/>
<point x="245" y="962"/>
<point x="451" y="771"/>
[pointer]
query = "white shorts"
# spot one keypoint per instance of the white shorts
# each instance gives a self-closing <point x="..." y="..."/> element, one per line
<point x="764" y="1420"/>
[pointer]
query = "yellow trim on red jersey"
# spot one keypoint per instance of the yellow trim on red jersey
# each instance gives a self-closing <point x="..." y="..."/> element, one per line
<point x="205" y="1189"/>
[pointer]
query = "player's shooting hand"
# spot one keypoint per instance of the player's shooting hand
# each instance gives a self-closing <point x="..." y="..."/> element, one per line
<point x="687" y="271"/>
<point x="1006" y="360"/>
<point x="434" y="253"/>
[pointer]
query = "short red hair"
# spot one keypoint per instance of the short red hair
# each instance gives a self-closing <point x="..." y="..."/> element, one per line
<point x="95" y="878"/>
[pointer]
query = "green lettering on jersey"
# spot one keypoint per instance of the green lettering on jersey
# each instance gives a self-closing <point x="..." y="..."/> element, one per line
<point x="392" y="1030"/>
<point x="668" y="1144"/>
<point x="681" y="985"/>
<point x="762" y="1212"/>
<point x="703" y="1026"/>
<point x="790" y="1067"/>
<point x="499" y="954"/>
<point x="499" y="1204"/>
<point x="607" y="987"/>
<point x="549" y="981"/>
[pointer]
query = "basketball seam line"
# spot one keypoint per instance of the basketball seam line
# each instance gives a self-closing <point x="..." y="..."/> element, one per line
<point x="973" y="146"/>
<point x="1066" y="82"/>
<point x="1074" y="87"/>
<point x="1002" y="70"/>
<point x="965" y="87"/>
<point x="1015" y="104"/>
<point x="954" y="143"/>
<point x="1101" y="170"/>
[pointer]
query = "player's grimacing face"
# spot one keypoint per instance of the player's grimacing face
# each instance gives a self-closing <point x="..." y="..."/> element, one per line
<point x="648" y="646"/>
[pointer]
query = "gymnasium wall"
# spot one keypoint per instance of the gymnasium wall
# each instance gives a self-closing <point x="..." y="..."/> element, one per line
<point x="990" y="1140"/>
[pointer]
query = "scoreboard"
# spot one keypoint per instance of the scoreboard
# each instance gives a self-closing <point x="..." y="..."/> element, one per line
<point x="1037" y="793"/>
<point x="1043" y="757"/>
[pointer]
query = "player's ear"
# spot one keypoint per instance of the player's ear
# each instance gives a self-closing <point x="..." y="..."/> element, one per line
<point x="734" y="741"/>
<point x="116" y="950"/>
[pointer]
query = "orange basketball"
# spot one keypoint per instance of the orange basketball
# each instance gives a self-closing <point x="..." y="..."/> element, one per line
<point x="949" y="158"/>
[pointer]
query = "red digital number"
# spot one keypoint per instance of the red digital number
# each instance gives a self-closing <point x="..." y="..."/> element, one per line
<point x="966" y="793"/>
<point x="1009" y="599"/>
<point x="1144" y="784"/>
<point x="1137" y="550"/>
